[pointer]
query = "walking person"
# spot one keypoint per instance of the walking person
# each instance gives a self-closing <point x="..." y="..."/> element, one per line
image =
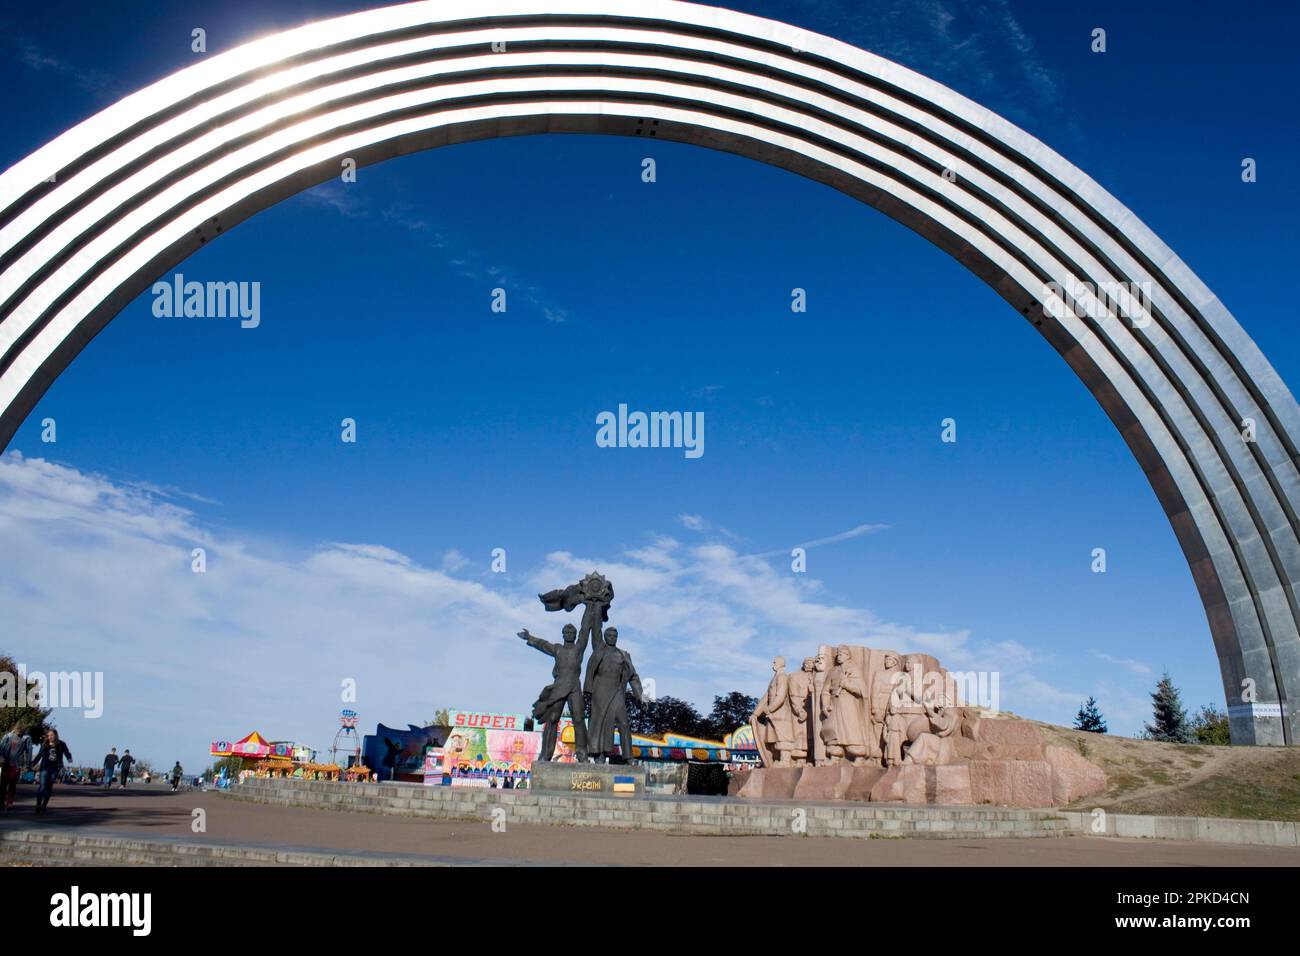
<point x="15" y="757"/>
<point x="177" y="773"/>
<point x="110" y="762"/>
<point x="49" y="763"/>
<point x="125" y="763"/>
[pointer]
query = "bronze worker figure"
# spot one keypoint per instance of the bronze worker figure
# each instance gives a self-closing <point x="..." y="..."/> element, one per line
<point x="563" y="689"/>
<point x="607" y="679"/>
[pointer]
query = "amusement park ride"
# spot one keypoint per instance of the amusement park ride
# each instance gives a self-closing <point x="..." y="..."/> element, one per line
<point x="346" y="740"/>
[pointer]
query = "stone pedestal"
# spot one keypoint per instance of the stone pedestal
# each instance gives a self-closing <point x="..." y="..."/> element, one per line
<point x="765" y="783"/>
<point x="1001" y="762"/>
<point x="837" y="782"/>
<point x="623" y="780"/>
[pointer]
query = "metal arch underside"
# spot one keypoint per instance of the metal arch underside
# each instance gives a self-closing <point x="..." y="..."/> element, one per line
<point x="93" y="218"/>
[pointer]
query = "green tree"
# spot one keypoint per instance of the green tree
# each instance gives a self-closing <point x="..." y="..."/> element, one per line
<point x="728" y="713"/>
<point x="1169" y="718"/>
<point x="29" y="715"/>
<point x="664" y="715"/>
<point x="1210" y="726"/>
<point x="441" y="718"/>
<point x="1089" y="718"/>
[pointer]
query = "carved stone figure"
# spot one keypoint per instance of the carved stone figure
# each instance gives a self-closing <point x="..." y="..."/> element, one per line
<point x="608" y="676"/>
<point x="773" y="721"/>
<point x="565" y="688"/>
<point x="880" y="687"/>
<point x="902" y="709"/>
<point x="843" y="707"/>
<point x="933" y="745"/>
<point x="821" y="664"/>
<point x="801" y="704"/>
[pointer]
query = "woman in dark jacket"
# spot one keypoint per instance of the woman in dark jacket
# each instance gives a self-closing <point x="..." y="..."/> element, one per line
<point x="48" y="763"/>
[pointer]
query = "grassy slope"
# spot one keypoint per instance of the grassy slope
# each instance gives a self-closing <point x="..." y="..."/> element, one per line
<point x="1260" y="783"/>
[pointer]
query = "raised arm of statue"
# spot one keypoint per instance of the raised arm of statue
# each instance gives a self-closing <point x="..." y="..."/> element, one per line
<point x="546" y="647"/>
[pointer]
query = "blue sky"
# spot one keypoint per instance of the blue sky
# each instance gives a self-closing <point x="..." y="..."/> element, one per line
<point x="476" y="430"/>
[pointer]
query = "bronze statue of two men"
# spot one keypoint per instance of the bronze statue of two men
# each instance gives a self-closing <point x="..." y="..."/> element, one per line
<point x="609" y="673"/>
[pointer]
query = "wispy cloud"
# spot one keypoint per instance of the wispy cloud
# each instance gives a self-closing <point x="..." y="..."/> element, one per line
<point x="700" y="525"/>
<point x="453" y="561"/>
<point x="1137" y="667"/>
<point x="339" y="198"/>
<point x="169" y="491"/>
<point x="855" y="532"/>
<point x="692" y="522"/>
<point x="351" y="202"/>
<point x="977" y="47"/>
<point x="36" y="57"/>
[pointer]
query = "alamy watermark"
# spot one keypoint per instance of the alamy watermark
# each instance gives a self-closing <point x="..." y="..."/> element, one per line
<point x="950" y="688"/>
<point x="72" y="690"/>
<point x="77" y="909"/>
<point x="208" y="300"/>
<point x="651" y="430"/>
<point x="1098" y="301"/>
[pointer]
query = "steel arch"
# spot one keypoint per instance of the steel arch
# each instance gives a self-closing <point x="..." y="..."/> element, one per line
<point x="94" y="217"/>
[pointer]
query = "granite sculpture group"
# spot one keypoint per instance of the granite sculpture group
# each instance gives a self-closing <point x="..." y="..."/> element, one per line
<point x="609" y="674"/>
<point x="860" y="723"/>
<point x="859" y="706"/>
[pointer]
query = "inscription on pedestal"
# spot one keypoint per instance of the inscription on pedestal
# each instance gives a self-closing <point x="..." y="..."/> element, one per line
<point x="617" y="779"/>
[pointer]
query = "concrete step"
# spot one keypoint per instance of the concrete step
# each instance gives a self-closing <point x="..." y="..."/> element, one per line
<point x="717" y="816"/>
<point x="41" y="847"/>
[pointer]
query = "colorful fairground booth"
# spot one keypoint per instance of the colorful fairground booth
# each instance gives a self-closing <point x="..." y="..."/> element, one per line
<point x="281" y="758"/>
<point x="497" y="750"/>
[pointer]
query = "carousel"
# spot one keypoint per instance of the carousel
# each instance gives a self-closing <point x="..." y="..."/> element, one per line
<point x="275" y="758"/>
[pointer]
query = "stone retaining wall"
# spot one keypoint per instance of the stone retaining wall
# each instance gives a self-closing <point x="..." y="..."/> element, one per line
<point x="1200" y="829"/>
<point x="712" y="816"/>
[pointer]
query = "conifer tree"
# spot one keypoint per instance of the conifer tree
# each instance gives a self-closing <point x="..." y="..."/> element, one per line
<point x="1170" y="719"/>
<point x="1089" y="718"/>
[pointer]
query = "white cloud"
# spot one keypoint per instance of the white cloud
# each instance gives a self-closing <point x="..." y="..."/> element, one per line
<point x="692" y="522"/>
<point x="467" y="261"/>
<point x="1137" y="667"/>
<point x="978" y="47"/>
<point x="35" y="57"/>
<point x="855" y="532"/>
<point x="453" y="561"/>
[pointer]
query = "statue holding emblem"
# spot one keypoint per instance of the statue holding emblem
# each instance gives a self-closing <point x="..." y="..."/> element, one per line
<point x="609" y="673"/>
